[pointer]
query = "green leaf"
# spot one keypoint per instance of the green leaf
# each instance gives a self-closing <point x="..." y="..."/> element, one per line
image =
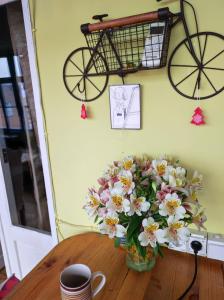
<point x="135" y="223"/>
<point x="141" y="250"/>
<point x="117" y="242"/>
<point x="123" y="218"/>
<point x="154" y="186"/>
<point x="96" y="218"/>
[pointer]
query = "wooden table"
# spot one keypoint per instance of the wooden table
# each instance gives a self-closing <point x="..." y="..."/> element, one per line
<point x="167" y="280"/>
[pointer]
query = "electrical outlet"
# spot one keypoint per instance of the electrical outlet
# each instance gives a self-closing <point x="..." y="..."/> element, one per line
<point x="215" y="248"/>
<point x="200" y="236"/>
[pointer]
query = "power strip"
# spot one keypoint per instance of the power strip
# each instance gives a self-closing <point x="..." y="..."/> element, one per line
<point x="215" y="246"/>
<point x="212" y="244"/>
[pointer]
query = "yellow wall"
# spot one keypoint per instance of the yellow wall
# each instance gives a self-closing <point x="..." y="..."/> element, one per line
<point x="80" y="149"/>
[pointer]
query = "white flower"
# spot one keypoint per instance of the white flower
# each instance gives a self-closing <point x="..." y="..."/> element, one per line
<point x="111" y="172"/>
<point x="111" y="226"/>
<point x="176" y="232"/>
<point x="125" y="181"/>
<point x="159" y="166"/>
<point x="128" y="164"/>
<point x="138" y="205"/>
<point x="196" y="179"/>
<point x="151" y="233"/>
<point x="175" y="176"/>
<point x="171" y="205"/>
<point x="92" y="203"/>
<point x="117" y="201"/>
<point x="199" y="219"/>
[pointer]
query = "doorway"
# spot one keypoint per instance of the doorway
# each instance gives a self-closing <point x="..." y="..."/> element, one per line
<point x="27" y="223"/>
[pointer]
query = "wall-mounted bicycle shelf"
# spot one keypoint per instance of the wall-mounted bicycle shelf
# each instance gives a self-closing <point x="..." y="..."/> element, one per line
<point x="140" y="42"/>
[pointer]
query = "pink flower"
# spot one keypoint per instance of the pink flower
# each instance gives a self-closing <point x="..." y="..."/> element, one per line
<point x="102" y="212"/>
<point x="92" y="190"/>
<point x="187" y="206"/>
<point x="105" y="196"/>
<point x="165" y="189"/>
<point x="113" y="180"/>
<point x="102" y="181"/>
<point x="161" y="195"/>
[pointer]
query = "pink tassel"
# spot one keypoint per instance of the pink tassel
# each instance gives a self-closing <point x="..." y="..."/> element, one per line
<point x="83" y="112"/>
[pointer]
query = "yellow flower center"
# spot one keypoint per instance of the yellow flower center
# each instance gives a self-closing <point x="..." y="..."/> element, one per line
<point x="151" y="228"/>
<point x="94" y="201"/>
<point x="117" y="200"/>
<point x="172" y="205"/>
<point x="137" y="202"/>
<point x="126" y="182"/>
<point x="111" y="221"/>
<point x="127" y="164"/>
<point x="176" y="225"/>
<point x="161" y="169"/>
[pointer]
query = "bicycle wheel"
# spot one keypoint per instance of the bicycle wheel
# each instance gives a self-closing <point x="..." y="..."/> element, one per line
<point x="85" y="74"/>
<point x="195" y="82"/>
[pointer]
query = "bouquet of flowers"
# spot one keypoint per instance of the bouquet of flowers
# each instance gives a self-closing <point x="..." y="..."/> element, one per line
<point x="148" y="202"/>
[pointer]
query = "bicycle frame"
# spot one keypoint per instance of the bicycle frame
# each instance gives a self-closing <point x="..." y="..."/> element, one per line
<point x="181" y="18"/>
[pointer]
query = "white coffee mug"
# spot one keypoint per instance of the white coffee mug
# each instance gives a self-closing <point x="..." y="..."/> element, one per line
<point x="76" y="282"/>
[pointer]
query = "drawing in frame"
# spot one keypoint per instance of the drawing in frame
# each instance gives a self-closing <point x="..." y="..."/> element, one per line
<point x="125" y="107"/>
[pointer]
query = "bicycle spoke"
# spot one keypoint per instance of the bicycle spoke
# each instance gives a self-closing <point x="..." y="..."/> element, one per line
<point x="192" y="66"/>
<point x="76" y="65"/>
<point x="83" y="60"/>
<point x="93" y="84"/>
<point x="195" y="87"/>
<point x="74" y="75"/>
<point x="203" y="54"/>
<point x="186" y="77"/>
<point x="211" y="68"/>
<point x="209" y="81"/>
<point x="213" y="57"/>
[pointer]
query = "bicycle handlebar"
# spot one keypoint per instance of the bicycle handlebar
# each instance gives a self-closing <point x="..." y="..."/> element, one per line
<point x="160" y="14"/>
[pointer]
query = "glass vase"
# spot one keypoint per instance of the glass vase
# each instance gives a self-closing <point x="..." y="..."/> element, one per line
<point x="138" y="263"/>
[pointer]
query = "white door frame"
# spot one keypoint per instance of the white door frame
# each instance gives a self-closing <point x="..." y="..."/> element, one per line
<point x="41" y="134"/>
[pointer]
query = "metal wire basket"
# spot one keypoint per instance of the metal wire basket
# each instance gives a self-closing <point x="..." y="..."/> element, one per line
<point x="131" y="48"/>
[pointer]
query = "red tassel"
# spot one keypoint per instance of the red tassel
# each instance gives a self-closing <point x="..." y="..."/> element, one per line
<point x="198" y="117"/>
<point x="83" y="112"/>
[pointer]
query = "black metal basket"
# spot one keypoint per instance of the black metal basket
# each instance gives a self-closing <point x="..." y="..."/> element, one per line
<point x="138" y="47"/>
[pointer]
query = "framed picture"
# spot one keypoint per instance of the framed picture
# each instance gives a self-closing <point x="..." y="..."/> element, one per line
<point x="125" y="110"/>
